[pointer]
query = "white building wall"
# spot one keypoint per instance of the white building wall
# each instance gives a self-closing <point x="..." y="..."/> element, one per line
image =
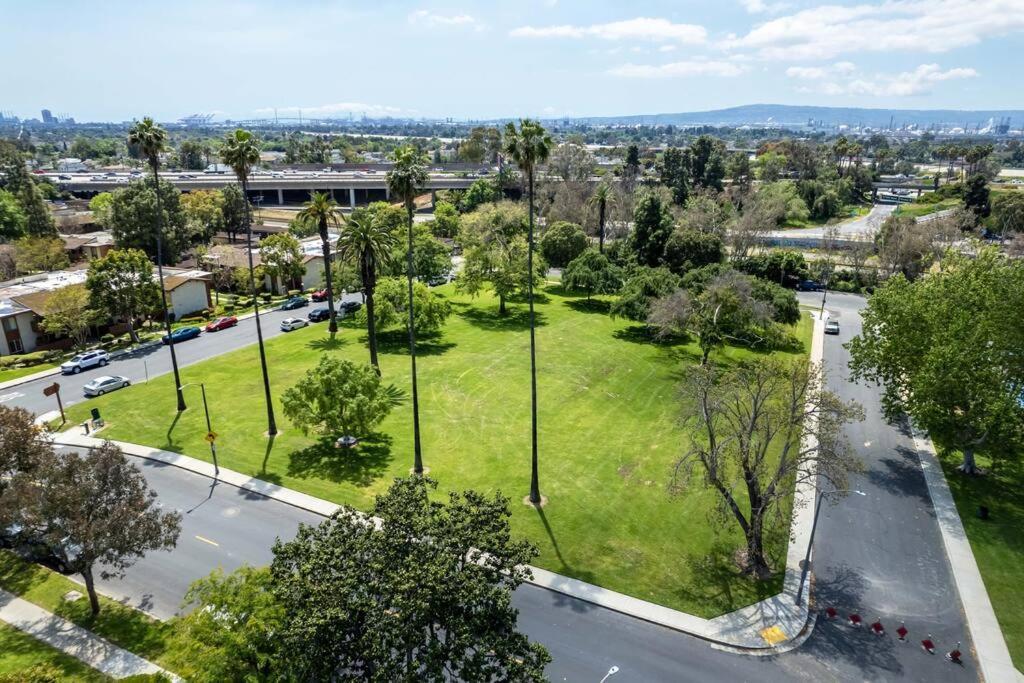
<point x="314" y="276"/>
<point x="187" y="298"/>
<point x="28" y="335"/>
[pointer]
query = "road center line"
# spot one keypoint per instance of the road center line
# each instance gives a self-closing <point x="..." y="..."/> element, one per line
<point x="206" y="540"/>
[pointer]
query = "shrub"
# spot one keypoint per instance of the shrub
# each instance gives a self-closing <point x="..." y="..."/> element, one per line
<point x="229" y="308"/>
<point x="266" y="297"/>
<point x="107" y="339"/>
<point x="294" y="292"/>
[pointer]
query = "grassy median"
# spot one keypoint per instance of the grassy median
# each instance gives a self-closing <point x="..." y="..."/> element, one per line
<point x="609" y="434"/>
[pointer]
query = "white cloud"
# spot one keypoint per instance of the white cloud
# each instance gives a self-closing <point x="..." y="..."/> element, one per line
<point x="666" y="48"/>
<point x="889" y="26"/>
<point x="696" y="67"/>
<point x="329" y="110"/>
<point x="920" y="81"/>
<point x="806" y="73"/>
<point x="431" y="20"/>
<point x="762" y="7"/>
<point x="641" y="28"/>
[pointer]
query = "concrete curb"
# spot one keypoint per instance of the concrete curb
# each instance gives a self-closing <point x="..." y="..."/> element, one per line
<point x="74" y="640"/>
<point x="766" y="627"/>
<point x="989" y="644"/>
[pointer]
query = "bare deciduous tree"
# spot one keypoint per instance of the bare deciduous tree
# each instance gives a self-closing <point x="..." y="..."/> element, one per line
<point x="756" y="430"/>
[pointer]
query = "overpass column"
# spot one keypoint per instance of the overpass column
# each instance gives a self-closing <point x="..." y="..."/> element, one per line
<point x="433" y="198"/>
<point x="280" y="197"/>
<point x="352" y="198"/>
<point x="387" y="193"/>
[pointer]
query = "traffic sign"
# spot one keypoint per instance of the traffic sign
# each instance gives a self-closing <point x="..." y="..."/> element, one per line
<point x="211" y="436"/>
<point x="51" y="390"/>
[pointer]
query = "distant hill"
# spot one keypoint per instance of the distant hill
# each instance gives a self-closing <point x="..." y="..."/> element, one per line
<point x="781" y="114"/>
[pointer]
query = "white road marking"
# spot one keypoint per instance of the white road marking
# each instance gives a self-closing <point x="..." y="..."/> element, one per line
<point x="867" y="444"/>
<point x="206" y="540"/>
<point x="7" y="397"/>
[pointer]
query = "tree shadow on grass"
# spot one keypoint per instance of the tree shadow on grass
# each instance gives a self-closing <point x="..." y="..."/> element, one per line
<point x="326" y="343"/>
<point x="169" y="445"/>
<point x="637" y="334"/>
<point x="717" y="582"/>
<point x="360" y="466"/>
<point x="396" y="343"/>
<point x="516" y="319"/>
<point x="560" y="599"/>
<point x="585" y="305"/>
<point x="18" y="575"/>
<point x="121" y="624"/>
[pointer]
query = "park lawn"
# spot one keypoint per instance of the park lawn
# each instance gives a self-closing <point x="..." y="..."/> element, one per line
<point x="997" y="543"/>
<point x="17" y="373"/>
<point x="608" y="434"/>
<point x="19" y="652"/>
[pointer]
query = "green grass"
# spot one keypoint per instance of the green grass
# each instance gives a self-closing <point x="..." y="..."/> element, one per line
<point x="16" y="373"/>
<point x="20" y="651"/>
<point x="609" y="435"/>
<point x="848" y="212"/>
<point x="917" y="210"/>
<point x="997" y="543"/>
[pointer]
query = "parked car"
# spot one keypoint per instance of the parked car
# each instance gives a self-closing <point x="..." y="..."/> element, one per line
<point x="27" y="544"/>
<point x="105" y="384"/>
<point x="319" y="295"/>
<point x="63" y="176"/>
<point x="84" y="361"/>
<point x="294" y="302"/>
<point x="348" y="308"/>
<point x="809" y="286"/>
<point x="182" y="334"/>
<point x="437" y="281"/>
<point x="832" y="327"/>
<point x="319" y="315"/>
<point x="289" y="324"/>
<point x="221" y="323"/>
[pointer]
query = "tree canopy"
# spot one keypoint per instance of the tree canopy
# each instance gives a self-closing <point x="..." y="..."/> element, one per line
<point x="133" y="220"/>
<point x="562" y="242"/>
<point x="430" y="311"/>
<point x="593" y="273"/>
<point x="121" y="284"/>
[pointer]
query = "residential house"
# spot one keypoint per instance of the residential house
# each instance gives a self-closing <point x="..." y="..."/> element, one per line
<point x="87" y="246"/>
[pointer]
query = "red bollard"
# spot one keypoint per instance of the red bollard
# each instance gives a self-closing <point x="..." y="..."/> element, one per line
<point x="902" y="632"/>
<point x="855" y="620"/>
<point x="877" y="628"/>
<point x="831" y="613"/>
<point x="928" y="645"/>
<point x="954" y="655"/>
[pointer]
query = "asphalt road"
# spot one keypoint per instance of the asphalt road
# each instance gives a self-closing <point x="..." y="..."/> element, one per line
<point x="852" y="229"/>
<point x="878" y="554"/>
<point x="155" y="360"/>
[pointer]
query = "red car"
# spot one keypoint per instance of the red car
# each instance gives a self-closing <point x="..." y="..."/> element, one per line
<point x="222" y="323"/>
<point x="319" y="295"/>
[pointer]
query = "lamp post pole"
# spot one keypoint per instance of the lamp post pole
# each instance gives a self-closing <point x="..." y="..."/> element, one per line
<point x="209" y="429"/>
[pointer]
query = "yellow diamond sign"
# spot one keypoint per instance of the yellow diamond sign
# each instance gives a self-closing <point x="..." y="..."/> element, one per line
<point x="773" y="635"/>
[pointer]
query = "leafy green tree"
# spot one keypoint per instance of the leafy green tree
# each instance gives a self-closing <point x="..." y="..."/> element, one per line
<point x="235" y="209"/>
<point x="100" y="207"/>
<point x="376" y="603"/>
<point x="339" y="398"/>
<point x="652" y="226"/>
<point x="12" y="219"/>
<point x="241" y="151"/>
<point x="562" y="242"/>
<point x="483" y="144"/>
<point x="446" y="220"/>
<point x="20" y="183"/>
<point x="689" y="249"/>
<point x="121" y="285"/>
<point x="281" y="258"/>
<point x="642" y="286"/>
<point x="738" y="168"/>
<point x="948" y="350"/>
<point x="707" y="162"/>
<point x="133" y="220"/>
<point x="96" y="512"/>
<point x="1007" y="212"/>
<point x="367" y="244"/>
<point x="41" y="254"/>
<point x="392" y="307"/>
<point x="204" y="215"/>
<point x="770" y="166"/>
<point x="632" y="162"/>
<point x="482" y="191"/>
<point x="602" y="199"/>
<point x="529" y="146"/>
<point x="782" y="199"/>
<point x="67" y="312"/>
<point x="323" y="212"/>
<point x="23" y="449"/>
<point x="494" y="246"/>
<point x="778" y="265"/>
<point x="431" y="257"/>
<point x="675" y="174"/>
<point x="976" y="196"/>
<point x="191" y="155"/>
<point x="593" y="273"/>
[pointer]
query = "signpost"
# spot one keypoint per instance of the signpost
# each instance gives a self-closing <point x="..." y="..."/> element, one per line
<point x="54" y="390"/>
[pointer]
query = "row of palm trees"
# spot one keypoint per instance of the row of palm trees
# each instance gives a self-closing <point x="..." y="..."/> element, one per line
<point x="363" y="241"/>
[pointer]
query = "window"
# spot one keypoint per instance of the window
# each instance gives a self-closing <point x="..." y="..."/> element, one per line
<point x="11" y="324"/>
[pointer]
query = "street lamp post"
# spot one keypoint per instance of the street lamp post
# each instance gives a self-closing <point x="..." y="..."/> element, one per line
<point x="209" y="429"/>
<point x="806" y="564"/>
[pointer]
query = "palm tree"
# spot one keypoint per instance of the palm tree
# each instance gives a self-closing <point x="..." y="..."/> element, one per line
<point x="241" y="151"/>
<point x="408" y="174"/>
<point x="368" y="244"/>
<point x="150" y="140"/>
<point x="324" y="211"/>
<point x="602" y="198"/>
<point x="529" y="146"/>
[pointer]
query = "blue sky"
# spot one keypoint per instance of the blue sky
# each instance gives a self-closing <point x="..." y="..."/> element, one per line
<point x="119" y="59"/>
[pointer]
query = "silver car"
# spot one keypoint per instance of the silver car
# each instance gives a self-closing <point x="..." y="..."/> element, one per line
<point x="84" y="361"/>
<point x="289" y="324"/>
<point x="105" y="384"/>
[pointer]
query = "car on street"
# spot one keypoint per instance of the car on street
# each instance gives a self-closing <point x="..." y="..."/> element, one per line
<point x="84" y="361"/>
<point x="348" y="308"/>
<point x="289" y="324"/>
<point x="63" y="176"/>
<point x="105" y="384"/>
<point x="221" y="323"/>
<point x="319" y="315"/>
<point x="809" y="286"/>
<point x="27" y="543"/>
<point x="181" y="334"/>
<point x="319" y="295"/>
<point x="832" y="327"/>
<point x="293" y="303"/>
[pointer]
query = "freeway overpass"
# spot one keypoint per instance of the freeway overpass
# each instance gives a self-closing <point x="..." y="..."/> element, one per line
<point x="350" y="188"/>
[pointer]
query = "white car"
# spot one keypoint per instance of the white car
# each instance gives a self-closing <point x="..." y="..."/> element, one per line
<point x="102" y="385"/>
<point x="289" y="324"/>
<point x="84" y="361"/>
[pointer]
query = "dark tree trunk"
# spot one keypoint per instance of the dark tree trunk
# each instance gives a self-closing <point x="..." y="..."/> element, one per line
<point x="417" y="451"/>
<point x="535" y="497"/>
<point x="756" y="562"/>
<point x="968" y="466"/>
<point x="163" y="292"/>
<point x="332" y="326"/>
<point x="501" y="305"/>
<point x="271" y="421"/>
<point x="369" y="283"/>
<point x="90" y="588"/>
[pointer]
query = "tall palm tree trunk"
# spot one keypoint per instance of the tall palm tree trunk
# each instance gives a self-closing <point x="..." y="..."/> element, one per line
<point x="163" y="293"/>
<point x="418" y="461"/>
<point x="600" y="221"/>
<point x="369" y="283"/>
<point x="332" y="326"/>
<point x="534" y="478"/>
<point x="271" y="422"/>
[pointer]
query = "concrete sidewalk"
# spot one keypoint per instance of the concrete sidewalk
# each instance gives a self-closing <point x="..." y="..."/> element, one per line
<point x="74" y="640"/>
<point x="989" y="644"/>
<point x="766" y="626"/>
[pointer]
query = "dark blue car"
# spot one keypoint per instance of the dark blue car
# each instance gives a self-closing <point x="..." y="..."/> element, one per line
<point x="293" y="303"/>
<point x="182" y="334"/>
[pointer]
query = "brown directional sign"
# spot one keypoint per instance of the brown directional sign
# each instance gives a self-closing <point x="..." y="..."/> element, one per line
<point x="51" y="390"/>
